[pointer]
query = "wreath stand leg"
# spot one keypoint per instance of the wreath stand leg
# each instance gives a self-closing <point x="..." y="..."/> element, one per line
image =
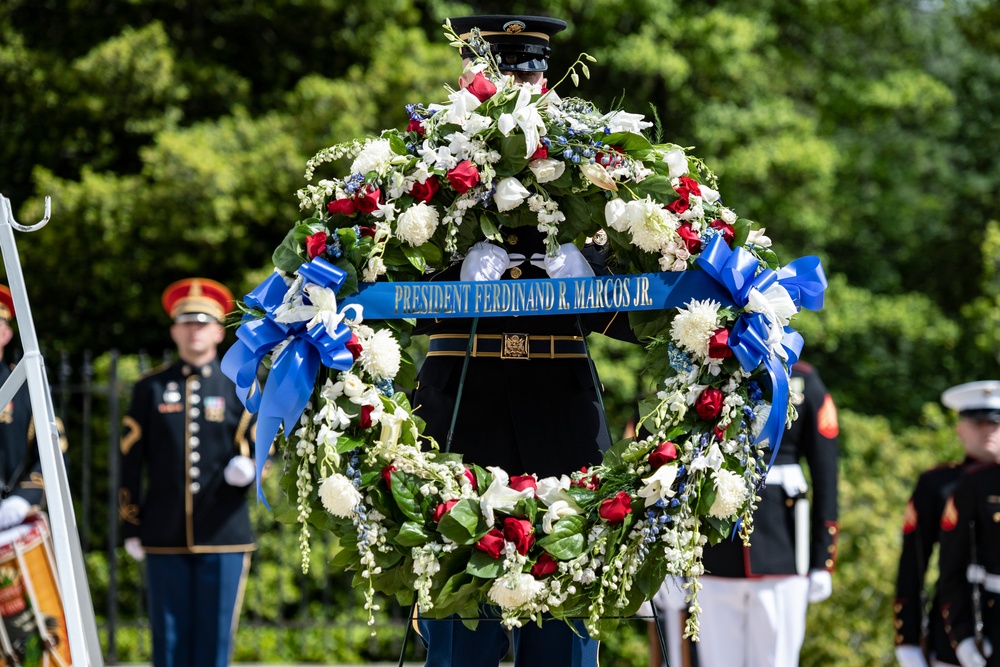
<point x="596" y="380"/>
<point x="660" y="636"/>
<point x="461" y="384"/>
<point x="411" y="619"/>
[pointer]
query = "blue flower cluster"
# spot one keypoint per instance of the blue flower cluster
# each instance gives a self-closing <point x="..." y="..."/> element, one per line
<point x="678" y="359"/>
<point x="353" y="183"/>
<point x="385" y="388"/>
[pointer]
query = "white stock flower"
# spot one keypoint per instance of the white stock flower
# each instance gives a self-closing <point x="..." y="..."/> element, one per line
<point x="509" y="194"/>
<point x="353" y="386"/>
<point x="339" y="496"/>
<point x="676" y="162"/>
<point x="694" y="325"/>
<point x="376" y="156"/>
<point x="622" y="121"/>
<point x="547" y="169"/>
<point x="515" y="589"/>
<point x="499" y="495"/>
<point x="658" y="484"/>
<point x="416" y="225"/>
<point x="380" y="355"/>
<point x="616" y="215"/>
<point x="556" y="511"/>
<point x="651" y="225"/>
<point x="730" y="494"/>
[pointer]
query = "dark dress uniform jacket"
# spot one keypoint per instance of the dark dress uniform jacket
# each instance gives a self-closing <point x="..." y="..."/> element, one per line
<point x="537" y="415"/>
<point x="183" y="427"/>
<point x="17" y="439"/>
<point x="921" y="530"/>
<point x="813" y="436"/>
<point x="972" y="516"/>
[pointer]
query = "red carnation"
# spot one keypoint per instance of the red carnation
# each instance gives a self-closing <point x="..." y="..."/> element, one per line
<point x="689" y="236"/>
<point x="365" y="420"/>
<point x="728" y="233"/>
<point x="315" y="244"/>
<point x="469" y="475"/>
<point x="709" y="403"/>
<point x="664" y="453"/>
<point x="522" y="482"/>
<point x="718" y="344"/>
<point x="689" y="186"/>
<point x="425" y="191"/>
<point x="614" y="510"/>
<point x="368" y="198"/>
<point x="463" y="177"/>
<point x="544" y="566"/>
<point x="387" y="475"/>
<point x="415" y="126"/>
<point x="354" y="345"/>
<point x="342" y="207"/>
<point x="443" y="509"/>
<point x="520" y="532"/>
<point x="540" y="153"/>
<point x="491" y="543"/>
<point x="482" y="87"/>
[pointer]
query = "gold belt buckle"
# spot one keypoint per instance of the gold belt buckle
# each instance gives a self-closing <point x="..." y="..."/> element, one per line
<point x="514" y="346"/>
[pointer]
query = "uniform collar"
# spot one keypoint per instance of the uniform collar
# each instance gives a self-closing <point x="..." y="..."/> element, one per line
<point x="206" y="371"/>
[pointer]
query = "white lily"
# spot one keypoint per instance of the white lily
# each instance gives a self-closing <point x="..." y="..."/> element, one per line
<point x="525" y="116"/>
<point x="676" y="162"/>
<point x="658" y="484"/>
<point x="553" y="489"/>
<point x="463" y="103"/>
<point x="622" y="121"/>
<point x="499" y="495"/>
<point x="599" y="176"/>
<point x="711" y="460"/>
<point x="556" y="511"/>
<point x="323" y="309"/>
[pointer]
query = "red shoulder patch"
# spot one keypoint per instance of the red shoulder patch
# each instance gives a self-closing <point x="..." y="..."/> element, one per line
<point x="826" y="419"/>
<point x="910" y="518"/>
<point x="949" y="518"/>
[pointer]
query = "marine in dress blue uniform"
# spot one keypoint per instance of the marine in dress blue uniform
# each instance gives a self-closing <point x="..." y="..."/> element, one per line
<point x="183" y="495"/>
<point x="755" y="598"/>
<point x="969" y="582"/>
<point x="529" y="402"/>
<point x="921" y="638"/>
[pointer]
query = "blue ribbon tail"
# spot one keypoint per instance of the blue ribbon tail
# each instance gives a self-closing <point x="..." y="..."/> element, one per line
<point x="805" y="282"/>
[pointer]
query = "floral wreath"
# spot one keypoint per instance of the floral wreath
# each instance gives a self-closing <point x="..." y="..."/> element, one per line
<point x="420" y="524"/>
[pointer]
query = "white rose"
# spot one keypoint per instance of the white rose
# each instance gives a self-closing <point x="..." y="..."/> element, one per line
<point x="416" y="224"/>
<point x="353" y="386"/>
<point x="615" y="215"/>
<point x="339" y="496"/>
<point x="676" y="162"/>
<point x="547" y="169"/>
<point x="515" y="589"/>
<point x="510" y="194"/>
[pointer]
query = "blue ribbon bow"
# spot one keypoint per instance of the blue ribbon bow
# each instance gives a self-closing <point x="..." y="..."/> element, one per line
<point x="293" y="372"/>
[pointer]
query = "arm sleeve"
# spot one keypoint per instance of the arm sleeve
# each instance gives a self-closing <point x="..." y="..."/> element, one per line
<point x="920" y="532"/>
<point x="132" y="449"/>
<point x="954" y="587"/>
<point x="820" y="446"/>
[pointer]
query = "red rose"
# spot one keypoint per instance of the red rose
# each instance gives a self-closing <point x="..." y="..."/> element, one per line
<point x="718" y="344"/>
<point x="366" y="416"/>
<point x="443" y="509"/>
<point x="367" y="199"/>
<point x="709" y="404"/>
<point x="689" y="186"/>
<point x="316" y="244"/>
<point x="482" y="87"/>
<point x="520" y="532"/>
<point x="522" y="482"/>
<point x="544" y="566"/>
<point x="354" y="345"/>
<point x="689" y="236"/>
<point x="664" y="453"/>
<point x="491" y="543"/>
<point x="367" y="230"/>
<point x="426" y="190"/>
<point x="540" y="153"/>
<point x="387" y="474"/>
<point x="415" y="126"/>
<point x="614" y="510"/>
<point x="463" y="177"/>
<point x="728" y="233"/>
<point x="678" y="206"/>
<point x="471" y="476"/>
<point x="720" y="433"/>
<point x="342" y="207"/>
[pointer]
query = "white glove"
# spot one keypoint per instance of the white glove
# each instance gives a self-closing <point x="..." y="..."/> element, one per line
<point x="820" y="585"/>
<point x="969" y="655"/>
<point x="908" y="655"/>
<point x="486" y="261"/>
<point x="569" y="262"/>
<point x="133" y="547"/>
<point x="12" y="511"/>
<point x="240" y="471"/>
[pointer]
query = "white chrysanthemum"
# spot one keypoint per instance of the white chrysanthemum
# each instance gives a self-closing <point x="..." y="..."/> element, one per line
<point x="380" y="355"/>
<point x="416" y="224"/>
<point x="651" y="225"/>
<point x="339" y="496"/>
<point x="730" y="494"/>
<point x="693" y="326"/>
<point x="374" y="157"/>
<point x="514" y="590"/>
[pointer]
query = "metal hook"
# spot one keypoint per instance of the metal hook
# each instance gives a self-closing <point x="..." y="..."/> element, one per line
<point x="27" y="228"/>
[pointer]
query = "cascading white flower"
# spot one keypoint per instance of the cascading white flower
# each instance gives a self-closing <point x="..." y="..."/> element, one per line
<point x="510" y="194"/>
<point x="657" y="486"/>
<point x="730" y="494"/>
<point x="525" y="116"/>
<point x="339" y="496"/>
<point x="499" y="495"/>
<point x="515" y="589"/>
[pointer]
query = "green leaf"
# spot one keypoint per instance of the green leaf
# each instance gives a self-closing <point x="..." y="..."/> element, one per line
<point x="649" y="323"/>
<point x="707" y="496"/>
<point x="406" y="489"/>
<point x="412" y="534"/>
<point x="566" y="540"/>
<point x="613" y="457"/>
<point x="656" y="186"/>
<point x="484" y="566"/>
<point x="415" y="255"/>
<point x="397" y="144"/>
<point x="460" y="524"/>
<point x="512" y="156"/>
<point x="490" y="230"/>
<point x="629" y="142"/>
<point x="346" y="443"/>
<point x="350" y="284"/>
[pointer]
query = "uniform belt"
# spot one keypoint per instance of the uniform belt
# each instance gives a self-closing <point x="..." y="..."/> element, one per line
<point x="508" y="346"/>
<point x="977" y="574"/>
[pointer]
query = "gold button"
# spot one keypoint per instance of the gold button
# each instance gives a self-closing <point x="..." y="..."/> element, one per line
<point x="789" y="502"/>
<point x="515" y="272"/>
<point x="996" y="517"/>
<point x="832" y="530"/>
<point x="512" y="239"/>
<point x="898" y="624"/>
<point x="829" y="562"/>
<point x="831" y="548"/>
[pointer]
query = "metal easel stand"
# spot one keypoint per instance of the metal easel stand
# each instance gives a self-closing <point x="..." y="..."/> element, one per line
<point x="81" y="626"/>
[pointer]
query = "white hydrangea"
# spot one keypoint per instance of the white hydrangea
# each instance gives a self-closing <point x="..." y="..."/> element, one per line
<point x="339" y="496"/>
<point x="651" y="225"/>
<point x="375" y="156"/>
<point x="515" y="590"/>
<point x="693" y="326"/>
<point x="380" y="355"/>
<point x="730" y="494"/>
<point x="417" y="224"/>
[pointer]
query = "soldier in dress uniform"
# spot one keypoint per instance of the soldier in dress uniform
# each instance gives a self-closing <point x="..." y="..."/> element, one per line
<point x="17" y="436"/>
<point x="969" y="583"/>
<point x="529" y="401"/>
<point x="755" y="598"/>
<point x="185" y="475"/>
<point x="921" y="639"/>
